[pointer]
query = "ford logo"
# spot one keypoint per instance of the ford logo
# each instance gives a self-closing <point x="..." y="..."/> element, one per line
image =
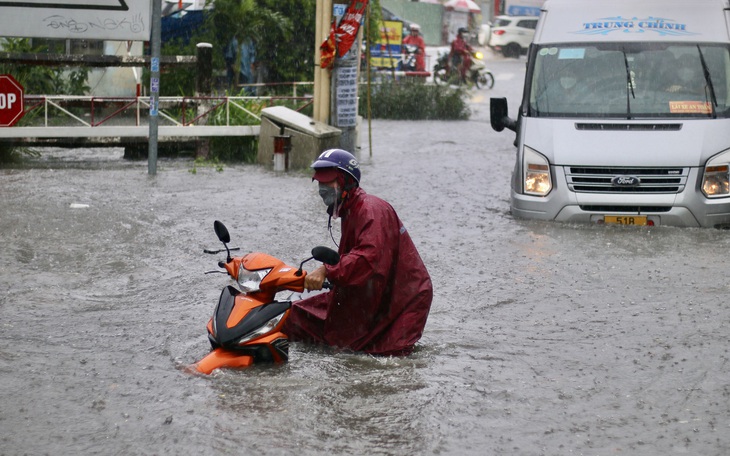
<point x="625" y="181"/>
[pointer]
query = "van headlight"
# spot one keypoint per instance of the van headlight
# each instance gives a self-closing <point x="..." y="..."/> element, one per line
<point x="716" y="178"/>
<point x="536" y="173"/>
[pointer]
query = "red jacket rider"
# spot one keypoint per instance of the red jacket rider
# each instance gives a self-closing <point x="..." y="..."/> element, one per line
<point x="460" y="54"/>
<point x="381" y="291"/>
<point x="416" y="39"/>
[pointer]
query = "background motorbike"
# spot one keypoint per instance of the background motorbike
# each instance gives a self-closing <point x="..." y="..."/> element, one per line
<point x="408" y="62"/>
<point x="478" y="75"/>
<point x="246" y="325"/>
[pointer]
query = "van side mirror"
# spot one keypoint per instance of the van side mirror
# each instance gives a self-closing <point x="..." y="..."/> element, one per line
<point x="499" y="115"/>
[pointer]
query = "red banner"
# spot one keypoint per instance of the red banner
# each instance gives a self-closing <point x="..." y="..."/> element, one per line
<point x="341" y="38"/>
<point x="327" y="50"/>
<point x="349" y="26"/>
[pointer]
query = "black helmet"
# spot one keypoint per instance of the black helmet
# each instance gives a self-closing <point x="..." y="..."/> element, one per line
<point x="463" y="30"/>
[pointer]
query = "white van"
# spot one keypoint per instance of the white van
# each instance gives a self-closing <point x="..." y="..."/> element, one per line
<point x="625" y="116"/>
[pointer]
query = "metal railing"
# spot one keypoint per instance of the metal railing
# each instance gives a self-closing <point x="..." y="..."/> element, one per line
<point x="51" y="116"/>
<point x="69" y="111"/>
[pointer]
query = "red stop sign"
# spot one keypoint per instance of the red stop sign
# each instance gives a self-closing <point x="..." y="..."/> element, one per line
<point x="12" y="105"/>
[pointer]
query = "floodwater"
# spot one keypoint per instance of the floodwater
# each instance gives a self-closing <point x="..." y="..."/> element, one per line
<point x="543" y="339"/>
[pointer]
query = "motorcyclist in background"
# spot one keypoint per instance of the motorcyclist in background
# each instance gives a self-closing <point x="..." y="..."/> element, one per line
<point x="460" y="54"/>
<point x="415" y="39"/>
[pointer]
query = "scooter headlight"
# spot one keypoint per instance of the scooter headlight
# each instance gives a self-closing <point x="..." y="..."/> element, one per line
<point x="478" y="55"/>
<point x="716" y="179"/>
<point x="265" y="329"/>
<point x="249" y="281"/>
<point x="536" y="173"/>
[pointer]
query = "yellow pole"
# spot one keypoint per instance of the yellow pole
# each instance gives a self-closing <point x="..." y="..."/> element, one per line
<point x="370" y="76"/>
<point x="322" y="75"/>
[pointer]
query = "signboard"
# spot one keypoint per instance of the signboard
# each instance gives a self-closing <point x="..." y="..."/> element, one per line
<point x="121" y="20"/>
<point x="12" y="106"/>
<point x="386" y="52"/>
<point x="346" y="93"/>
<point x="523" y="7"/>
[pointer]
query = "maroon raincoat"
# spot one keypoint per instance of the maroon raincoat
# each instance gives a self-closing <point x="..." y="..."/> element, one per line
<point x="381" y="291"/>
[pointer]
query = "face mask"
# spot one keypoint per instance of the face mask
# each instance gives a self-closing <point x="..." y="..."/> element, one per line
<point x="328" y="194"/>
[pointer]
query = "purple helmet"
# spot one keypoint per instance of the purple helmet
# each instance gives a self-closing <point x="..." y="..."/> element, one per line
<point x="340" y="159"/>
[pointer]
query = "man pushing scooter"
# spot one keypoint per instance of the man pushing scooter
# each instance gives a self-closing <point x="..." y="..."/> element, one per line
<point x="381" y="291"/>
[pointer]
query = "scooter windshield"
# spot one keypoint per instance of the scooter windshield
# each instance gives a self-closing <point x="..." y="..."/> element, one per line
<point x="630" y="80"/>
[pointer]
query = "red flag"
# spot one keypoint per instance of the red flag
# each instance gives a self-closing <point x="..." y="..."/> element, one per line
<point x="341" y="38"/>
<point x="349" y="26"/>
<point x="327" y="50"/>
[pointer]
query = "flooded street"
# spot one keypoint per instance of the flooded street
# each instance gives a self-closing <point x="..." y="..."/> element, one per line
<point x="543" y="338"/>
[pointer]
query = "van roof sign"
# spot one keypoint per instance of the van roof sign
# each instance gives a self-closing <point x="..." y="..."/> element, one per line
<point x="629" y="20"/>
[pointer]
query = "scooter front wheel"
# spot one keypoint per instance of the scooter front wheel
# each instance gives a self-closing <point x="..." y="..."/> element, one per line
<point x="485" y="79"/>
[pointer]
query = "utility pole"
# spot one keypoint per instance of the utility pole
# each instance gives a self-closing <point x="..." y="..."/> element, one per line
<point x="336" y="92"/>
<point x="155" y="40"/>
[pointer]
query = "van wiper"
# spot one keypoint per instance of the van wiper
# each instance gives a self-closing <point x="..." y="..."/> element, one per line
<point x="708" y="79"/>
<point x="629" y="85"/>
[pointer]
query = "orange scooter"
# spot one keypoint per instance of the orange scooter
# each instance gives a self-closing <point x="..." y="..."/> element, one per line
<point x="247" y="321"/>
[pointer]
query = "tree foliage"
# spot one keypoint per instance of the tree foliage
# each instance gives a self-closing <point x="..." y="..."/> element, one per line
<point x="288" y="52"/>
<point x="38" y="79"/>
<point x="282" y="32"/>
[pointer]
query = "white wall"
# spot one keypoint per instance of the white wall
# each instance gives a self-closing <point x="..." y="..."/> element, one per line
<point x="116" y="81"/>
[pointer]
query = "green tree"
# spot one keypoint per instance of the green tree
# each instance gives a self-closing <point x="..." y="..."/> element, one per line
<point x="266" y="24"/>
<point x="283" y="32"/>
<point x="288" y="51"/>
<point x="39" y="79"/>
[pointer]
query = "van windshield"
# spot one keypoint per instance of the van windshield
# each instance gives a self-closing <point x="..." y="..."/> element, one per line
<point x="630" y="80"/>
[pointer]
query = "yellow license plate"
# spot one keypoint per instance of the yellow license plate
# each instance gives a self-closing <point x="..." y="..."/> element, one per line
<point x="625" y="219"/>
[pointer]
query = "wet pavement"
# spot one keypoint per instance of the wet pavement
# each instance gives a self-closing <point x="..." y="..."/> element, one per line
<point x="543" y="339"/>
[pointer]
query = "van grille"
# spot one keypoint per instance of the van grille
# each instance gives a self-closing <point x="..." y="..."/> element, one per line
<point x="625" y="209"/>
<point x="640" y="180"/>
<point x="628" y="127"/>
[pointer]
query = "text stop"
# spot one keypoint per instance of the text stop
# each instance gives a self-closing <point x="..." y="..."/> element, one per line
<point x="7" y="100"/>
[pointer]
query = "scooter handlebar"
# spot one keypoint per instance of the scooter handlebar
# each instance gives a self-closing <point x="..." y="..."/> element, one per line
<point x="220" y="250"/>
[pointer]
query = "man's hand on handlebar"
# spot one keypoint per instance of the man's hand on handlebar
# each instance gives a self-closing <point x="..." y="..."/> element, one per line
<point x="315" y="279"/>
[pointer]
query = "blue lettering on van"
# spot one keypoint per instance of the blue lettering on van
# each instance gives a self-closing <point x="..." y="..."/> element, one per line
<point x="662" y="26"/>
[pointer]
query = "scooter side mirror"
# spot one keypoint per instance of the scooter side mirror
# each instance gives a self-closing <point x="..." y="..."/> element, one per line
<point x="222" y="232"/>
<point x="326" y="255"/>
